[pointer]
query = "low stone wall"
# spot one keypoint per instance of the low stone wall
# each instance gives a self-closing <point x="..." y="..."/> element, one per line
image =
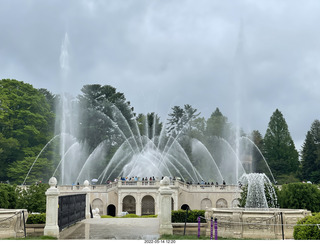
<point x="255" y="223"/>
<point x="11" y="222"/>
<point x="191" y="228"/>
<point x="35" y="229"/>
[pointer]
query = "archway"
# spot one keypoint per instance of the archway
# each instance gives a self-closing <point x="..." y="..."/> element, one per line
<point x="206" y="203"/>
<point x="129" y="204"/>
<point x="221" y="203"/>
<point x="147" y="205"/>
<point x="111" y="210"/>
<point x="185" y="207"/>
<point x="97" y="203"/>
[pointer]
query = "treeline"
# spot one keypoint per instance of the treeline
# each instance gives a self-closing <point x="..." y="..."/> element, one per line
<point x="28" y="121"/>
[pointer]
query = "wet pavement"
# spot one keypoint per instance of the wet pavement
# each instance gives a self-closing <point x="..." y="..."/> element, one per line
<point x="113" y="229"/>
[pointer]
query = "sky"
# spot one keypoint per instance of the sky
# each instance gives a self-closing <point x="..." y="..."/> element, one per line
<point x="246" y="57"/>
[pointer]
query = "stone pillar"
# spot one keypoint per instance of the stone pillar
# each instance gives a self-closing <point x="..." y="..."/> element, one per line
<point x="52" y="228"/>
<point x="138" y="204"/>
<point x="87" y="190"/>
<point x="165" y="207"/>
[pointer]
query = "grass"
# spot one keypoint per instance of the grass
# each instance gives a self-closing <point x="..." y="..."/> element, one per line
<point x="33" y="238"/>
<point x="187" y="237"/>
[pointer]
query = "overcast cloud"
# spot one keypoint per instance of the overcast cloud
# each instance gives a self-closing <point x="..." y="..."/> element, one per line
<point x="246" y="57"/>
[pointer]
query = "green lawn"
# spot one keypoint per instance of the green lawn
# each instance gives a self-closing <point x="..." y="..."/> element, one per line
<point x="33" y="238"/>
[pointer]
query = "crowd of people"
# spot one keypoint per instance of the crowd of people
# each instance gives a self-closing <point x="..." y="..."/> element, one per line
<point x="152" y="178"/>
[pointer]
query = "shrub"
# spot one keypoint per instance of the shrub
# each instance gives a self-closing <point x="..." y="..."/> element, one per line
<point x="180" y="215"/>
<point x="149" y="216"/>
<point x="8" y="196"/>
<point x="300" y="196"/>
<point x="36" y="218"/>
<point x="305" y="231"/>
<point x="130" y="216"/>
<point x="33" y="198"/>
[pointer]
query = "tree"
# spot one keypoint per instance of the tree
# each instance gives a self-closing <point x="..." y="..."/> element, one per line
<point x="103" y="111"/>
<point x="259" y="165"/>
<point x="299" y="196"/>
<point x="279" y="149"/>
<point x="217" y="125"/>
<point x="149" y="125"/>
<point x="26" y="123"/>
<point x="310" y="156"/>
<point x="180" y="118"/>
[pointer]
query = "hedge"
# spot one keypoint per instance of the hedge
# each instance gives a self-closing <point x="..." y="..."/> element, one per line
<point x="305" y="231"/>
<point x="179" y="216"/>
<point x="36" y="218"/>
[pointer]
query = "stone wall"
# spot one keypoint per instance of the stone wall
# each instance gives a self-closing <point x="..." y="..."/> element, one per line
<point x="195" y="196"/>
<point x="11" y="222"/>
<point x="255" y="224"/>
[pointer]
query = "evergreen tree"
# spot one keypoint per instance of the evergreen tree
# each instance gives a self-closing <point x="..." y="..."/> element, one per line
<point x="259" y="165"/>
<point x="310" y="157"/>
<point x="101" y="108"/>
<point x="279" y="148"/>
<point x="179" y="118"/>
<point x="217" y="125"/>
<point x="149" y="125"/>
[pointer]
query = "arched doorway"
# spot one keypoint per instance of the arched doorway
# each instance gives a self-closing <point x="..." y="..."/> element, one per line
<point x="129" y="204"/>
<point x="185" y="207"/>
<point x="111" y="210"/>
<point x="147" y="205"/>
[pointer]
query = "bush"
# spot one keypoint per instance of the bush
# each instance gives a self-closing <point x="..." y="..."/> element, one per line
<point x="8" y="196"/>
<point x="300" y="196"/>
<point x="33" y="198"/>
<point x="130" y="216"/>
<point x="149" y="216"/>
<point x="305" y="231"/>
<point x="179" y="216"/>
<point x="36" y="218"/>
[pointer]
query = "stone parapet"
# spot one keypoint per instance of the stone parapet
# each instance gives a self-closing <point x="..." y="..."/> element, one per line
<point x="11" y="222"/>
<point x="255" y="223"/>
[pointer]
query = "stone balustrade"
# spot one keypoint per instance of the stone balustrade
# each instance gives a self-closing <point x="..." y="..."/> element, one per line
<point x="11" y="222"/>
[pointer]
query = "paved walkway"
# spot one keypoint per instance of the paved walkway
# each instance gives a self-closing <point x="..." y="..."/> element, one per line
<point x="113" y="229"/>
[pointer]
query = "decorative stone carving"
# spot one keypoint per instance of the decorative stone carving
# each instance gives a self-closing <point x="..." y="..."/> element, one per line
<point x="222" y="203"/>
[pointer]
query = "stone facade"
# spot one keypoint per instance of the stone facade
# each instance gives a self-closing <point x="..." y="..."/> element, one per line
<point x="143" y="197"/>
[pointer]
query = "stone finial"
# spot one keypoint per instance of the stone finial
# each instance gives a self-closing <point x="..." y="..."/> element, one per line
<point x="53" y="182"/>
<point x="86" y="186"/>
<point x="86" y="183"/>
<point x="165" y="181"/>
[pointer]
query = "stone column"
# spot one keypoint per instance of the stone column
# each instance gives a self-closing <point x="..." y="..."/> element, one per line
<point x="52" y="228"/>
<point x="165" y="207"/>
<point x="87" y="190"/>
<point x="138" y="204"/>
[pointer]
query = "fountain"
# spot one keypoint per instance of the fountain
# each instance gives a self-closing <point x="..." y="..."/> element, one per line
<point x="260" y="192"/>
<point x="145" y="153"/>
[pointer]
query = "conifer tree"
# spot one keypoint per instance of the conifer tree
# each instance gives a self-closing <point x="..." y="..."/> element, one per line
<point x="279" y="148"/>
<point x="310" y="158"/>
